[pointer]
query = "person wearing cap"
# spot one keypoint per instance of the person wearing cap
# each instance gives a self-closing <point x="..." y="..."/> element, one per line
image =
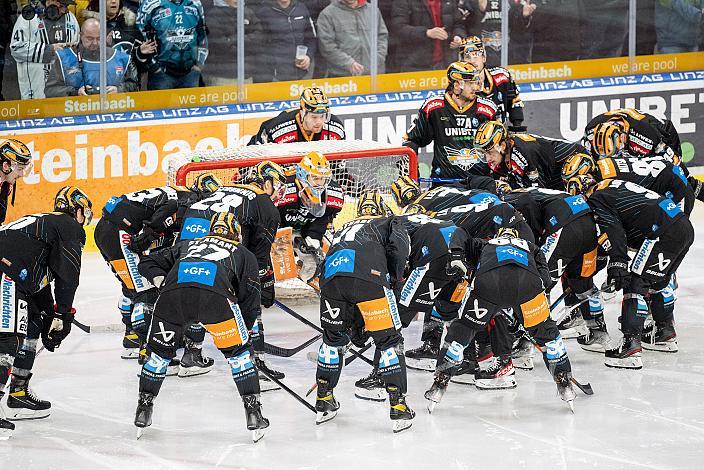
<point x="311" y="121"/>
<point x="16" y="161"/>
<point x="37" y="35"/>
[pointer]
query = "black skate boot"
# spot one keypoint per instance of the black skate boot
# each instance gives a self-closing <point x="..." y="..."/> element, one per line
<point x="423" y="358"/>
<point x="573" y="326"/>
<point x="626" y="355"/>
<point x="143" y="416"/>
<point x="265" y="383"/>
<point x="565" y="389"/>
<point x="130" y="345"/>
<point x="597" y="338"/>
<point x="522" y="354"/>
<point x="22" y="403"/>
<point x="325" y="404"/>
<point x="437" y="390"/>
<point x="465" y="372"/>
<point x="255" y="421"/>
<point x="193" y="362"/>
<point x="6" y="427"/>
<point x="400" y="413"/>
<point x="499" y="376"/>
<point x="660" y="337"/>
<point x="371" y="387"/>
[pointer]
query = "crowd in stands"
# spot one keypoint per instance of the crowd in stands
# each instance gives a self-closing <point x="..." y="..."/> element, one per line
<point x="165" y="44"/>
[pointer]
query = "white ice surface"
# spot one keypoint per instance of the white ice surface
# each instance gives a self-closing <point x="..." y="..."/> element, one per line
<point x="653" y="418"/>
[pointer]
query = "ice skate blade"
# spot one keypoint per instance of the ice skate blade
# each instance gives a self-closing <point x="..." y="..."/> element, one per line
<point x="193" y="371"/>
<point x="464" y="379"/>
<point x="130" y="353"/>
<point x="574" y="332"/>
<point x="5" y="433"/>
<point x="172" y="371"/>
<point x="402" y="425"/>
<point x="257" y="435"/>
<point x="324" y="416"/>
<point x="505" y="383"/>
<point x="665" y="346"/>
<point x="523" y="363"/>
<point x="431" y="406"/>
<point x="377" y="394"/>
<point x="570" y="403"/>
<point x="427" y="365"/>
<point x="140" y="431"/>
<point x="632" y="362"/>
<point x="596" y="347"/>
<point x="21" y="414"/>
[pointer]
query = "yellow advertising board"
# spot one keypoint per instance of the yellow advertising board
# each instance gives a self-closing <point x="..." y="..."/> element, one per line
<point x="397" y="82"/>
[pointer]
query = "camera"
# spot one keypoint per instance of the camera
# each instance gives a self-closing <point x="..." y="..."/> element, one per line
<point x="92" y="90"/>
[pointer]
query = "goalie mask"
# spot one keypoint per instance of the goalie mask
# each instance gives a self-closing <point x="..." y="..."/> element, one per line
<point x="313" y="175"/>
<point x="608" y="139"/>
<point x="578" y="164"/>
<point x="579" y="184"/>
<point x="225" y="225"/>
<point x="69" y="199"/>
<point x="17" y="155"/>
<point x="371" y="204"/>
<point x="206" y="183"/>
<point x="405" y="190"/>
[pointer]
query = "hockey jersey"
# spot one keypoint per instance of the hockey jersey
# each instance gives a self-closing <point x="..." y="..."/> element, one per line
<point x="499" y="87"/>
<point x="373" y="249"/>
<point x="255" y="212"/>
<point x="287" y="127"/>
<point x="216" y="264"/>
<point x="445" y="197"/>
<point x="628" y="214"/>
<point x="37" y="248"/>
<point x="430" y="238"/>
<point x="451" y="130"/>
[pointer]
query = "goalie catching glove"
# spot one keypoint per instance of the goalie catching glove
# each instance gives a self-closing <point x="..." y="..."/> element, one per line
<point x="56" y="328"/>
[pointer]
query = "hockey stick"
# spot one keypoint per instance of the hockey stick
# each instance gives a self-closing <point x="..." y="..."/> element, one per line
<point x="81" y="326"/>
<point x="440" y="180"/>
<point x="289" y="391"/>
<point x="288" y="352"/>
<point x="347" y="362"/>
<point x="302" y="319"/>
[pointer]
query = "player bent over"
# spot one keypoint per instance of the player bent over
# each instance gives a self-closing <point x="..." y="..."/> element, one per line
<point x="366" y="259"/>
<point x="630" y="216"/>
<point x="212" y="280"/>
<point x="497" y="264"/>
<point x="34" y="250"/>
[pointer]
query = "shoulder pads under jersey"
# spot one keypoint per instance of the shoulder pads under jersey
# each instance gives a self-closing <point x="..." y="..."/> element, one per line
<point x="486" y="107"/>
<point x="500" y="75"/>
<point x="432" y="103"/>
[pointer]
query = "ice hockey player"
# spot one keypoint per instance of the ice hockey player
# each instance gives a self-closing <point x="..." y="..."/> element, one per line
<point x="311" y="201"/>
<point x="312" y="121"/>
<point x="567" y="235"/>
<point x="36" y="249"/>
<point x="481" y="214"/>
<point x="630" y="216"/>
<point x="364" y="263"/>
<point x="132" y="224"/>
<point x="506" y="260"/>
<point x="213" y="280"/>
<point x="426" y="288"/>
<point x="526" y="159"/>
<point x="16" y="161"/>
<point x="496" y="84"/>
<point x="450" y="122"/>
<point x="252" y="203"/>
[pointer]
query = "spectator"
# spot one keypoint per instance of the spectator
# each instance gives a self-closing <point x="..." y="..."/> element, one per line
<point x="222" y="33"/>
<point x="344" y="32"/>
<point x="488" y="13"/>
<point x="178" y="26"/>
<point x="77" y="69"/>
<point x="429" y="29"/>
<point x="604" y="26"/>
<point x="520" y="41"/>
<point x="287" y="25"/>
<point x="678" y="25"/>
<point x="645" y="28"/>
<point x="314" y="8"/>
<point x="7" y="8"/>
<point x="35" y="40"/>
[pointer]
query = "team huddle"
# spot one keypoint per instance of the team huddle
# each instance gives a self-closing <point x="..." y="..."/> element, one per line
<point x="509" y="215"/>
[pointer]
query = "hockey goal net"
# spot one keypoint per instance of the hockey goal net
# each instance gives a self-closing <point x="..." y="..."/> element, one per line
<point x="357" y="166"/>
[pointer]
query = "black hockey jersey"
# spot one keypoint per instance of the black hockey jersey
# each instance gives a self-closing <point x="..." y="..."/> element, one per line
<point x="628" y="214"/>
<point x="537" y="161"/>
<point x="430" y="238"/>
<point x="217" y="264"/>
<point x="482" y="220"/>
<point x="547" y="210"/>
<point x="373" y="249"/>
<point x="38" y="247"/>
<point x="451" y="130"/>
<point x="295" y="214"/>
<point x="446" y="197"/>
<point x="255" y="212"/>
<point x="160" y="209"/>
<point x="656" y="174"/>
<point x="499" y="87"/>
<point x="286" y="127"/>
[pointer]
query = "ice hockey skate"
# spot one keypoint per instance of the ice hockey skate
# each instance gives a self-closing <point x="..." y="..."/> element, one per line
<point x="22" y="403"/>
<point x="326" y="405"/>
<point x="465" y="372"/>
<point x="522" y="354"/>
<point x="371" y="387"/>
<point x="626" y="355"/>
<point x="565" y="389"/>
<point x="423" y="357"/>
<point x="255" y="421"/>
<point x="143" y="415"/>
<point x="573" y="326"/>
<point x="265" y="383"/>
<point x="436" y="391"/>
<point x="596" y="339"/>
<point x="499" y="375"/>
<point x="659" y="337"/>
<point x="6" y="426"/>
<point x="193" y="362"/>
<point x="130" y="345"/>
<point x="400" y="413"/>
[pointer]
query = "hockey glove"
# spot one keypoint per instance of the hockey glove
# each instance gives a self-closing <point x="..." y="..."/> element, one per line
<point x="56" y="328"/>
<point x="266" y="280"/>
<point x="456" y="268"/>
<point x="141" y="242"/>
<point x="618" y="276"/>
